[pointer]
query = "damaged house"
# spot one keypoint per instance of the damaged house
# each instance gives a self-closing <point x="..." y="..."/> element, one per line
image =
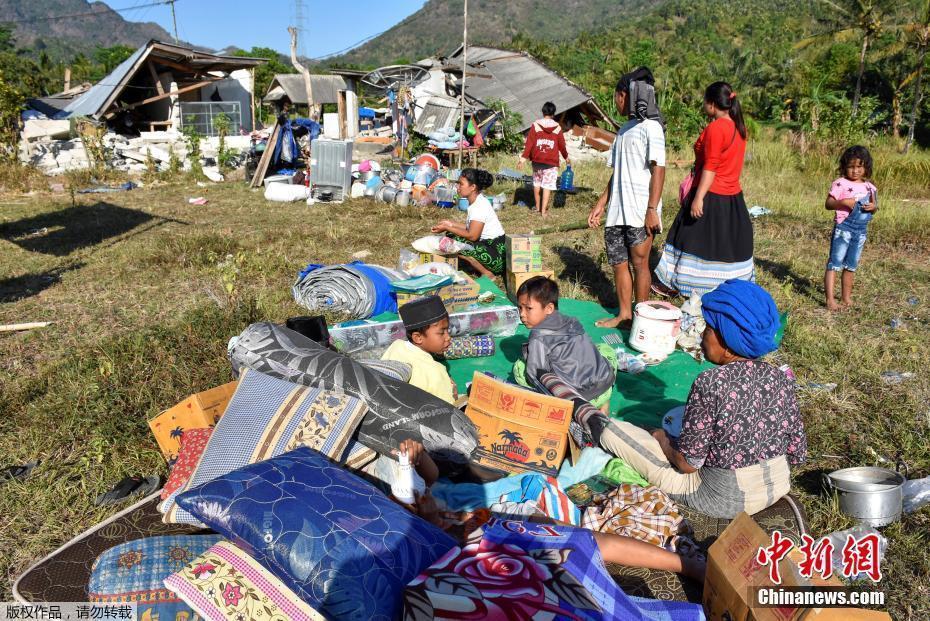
<point x="516" y="78"/>
<point x="144" y="104"/>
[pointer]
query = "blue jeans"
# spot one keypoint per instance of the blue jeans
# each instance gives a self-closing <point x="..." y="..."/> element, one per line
<point x="848" y="240"/>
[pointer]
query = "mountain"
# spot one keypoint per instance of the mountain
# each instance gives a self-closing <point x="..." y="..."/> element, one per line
<point x="63" y="28"/>
<point x="437" y="27"/>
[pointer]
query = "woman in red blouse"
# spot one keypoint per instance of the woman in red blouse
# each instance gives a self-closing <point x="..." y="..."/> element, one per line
<point x="711" y="239"/>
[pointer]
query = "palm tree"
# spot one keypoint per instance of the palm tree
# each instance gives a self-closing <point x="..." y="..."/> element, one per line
<point x="512" y="437"/>
<point x="864" y="16"/>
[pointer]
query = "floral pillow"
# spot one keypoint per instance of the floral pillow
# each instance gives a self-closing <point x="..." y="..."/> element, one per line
<point x="332" y="538"/>
<point x="226" y="584"/>
<point x="193" y="443"/>
<point x="525" y="570"/>
<point x="135" y="571"/>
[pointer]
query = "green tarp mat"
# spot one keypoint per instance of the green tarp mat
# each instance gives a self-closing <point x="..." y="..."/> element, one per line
<point x="641" y="399"/>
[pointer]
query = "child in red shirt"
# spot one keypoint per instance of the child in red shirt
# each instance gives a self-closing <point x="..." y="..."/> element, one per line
<point x="544" y="144"/>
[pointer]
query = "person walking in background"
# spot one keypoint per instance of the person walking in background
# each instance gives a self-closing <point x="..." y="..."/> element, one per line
<point x="853" y="197"/>
<point x="711" y="240"/>
<point x="633" y="197"/>
<point x="544" y="143"/>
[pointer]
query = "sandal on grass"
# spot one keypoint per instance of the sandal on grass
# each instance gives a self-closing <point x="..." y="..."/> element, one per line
<point x="19" y="472"/>
<point x="663" y="291"/>
<point x="129" y="486"/>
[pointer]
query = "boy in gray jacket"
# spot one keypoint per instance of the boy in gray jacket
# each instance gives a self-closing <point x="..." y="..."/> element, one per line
<point x="558" y="344"/>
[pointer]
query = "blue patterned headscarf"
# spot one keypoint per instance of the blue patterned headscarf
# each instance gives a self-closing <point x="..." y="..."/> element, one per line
<point x="744" y="315"/>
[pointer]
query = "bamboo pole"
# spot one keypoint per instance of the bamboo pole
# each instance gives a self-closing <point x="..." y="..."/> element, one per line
<point x="464" y="69"/>
<point x="19" y="327"/>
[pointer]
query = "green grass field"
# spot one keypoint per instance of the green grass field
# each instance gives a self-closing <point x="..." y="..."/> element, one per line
<point x="145" y="291"/>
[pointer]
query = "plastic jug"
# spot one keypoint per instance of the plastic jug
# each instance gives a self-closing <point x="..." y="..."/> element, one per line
<point x="567" y="180"/>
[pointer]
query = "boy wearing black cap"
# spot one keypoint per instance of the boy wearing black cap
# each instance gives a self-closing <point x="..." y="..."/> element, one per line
<point x="427" y="324"/>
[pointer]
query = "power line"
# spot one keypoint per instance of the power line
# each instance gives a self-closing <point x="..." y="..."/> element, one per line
<point x="351" y="47"/>
<point x="108" y="10"/>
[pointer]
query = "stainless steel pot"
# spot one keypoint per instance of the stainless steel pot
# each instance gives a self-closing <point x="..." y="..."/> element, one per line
<point x="871" y="495"/>
<point x="387" y="194"/>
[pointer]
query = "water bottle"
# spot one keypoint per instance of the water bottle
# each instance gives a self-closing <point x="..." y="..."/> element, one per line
<point x="408" y="483"/>
<point x="629" y="363"/>
<point x="567" y="180"/>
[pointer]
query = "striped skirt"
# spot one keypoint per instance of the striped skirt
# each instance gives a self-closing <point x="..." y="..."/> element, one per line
<point x="700" y="254"/>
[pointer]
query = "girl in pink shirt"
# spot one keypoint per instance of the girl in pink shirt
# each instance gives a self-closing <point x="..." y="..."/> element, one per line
<point x="853" y="198"/>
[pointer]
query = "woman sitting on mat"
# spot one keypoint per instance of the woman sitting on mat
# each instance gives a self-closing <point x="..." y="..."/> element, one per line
<point x="482" y="229"/>
<point x="741" y="427"/>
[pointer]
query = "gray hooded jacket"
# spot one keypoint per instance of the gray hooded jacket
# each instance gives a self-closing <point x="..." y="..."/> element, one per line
<point x="560" y="345"/>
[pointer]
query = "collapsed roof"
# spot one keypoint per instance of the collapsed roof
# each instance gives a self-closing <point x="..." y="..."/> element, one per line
<point x="523" y="83"/>
<point x="290" y="87"/>
<point x="135" y="82"/>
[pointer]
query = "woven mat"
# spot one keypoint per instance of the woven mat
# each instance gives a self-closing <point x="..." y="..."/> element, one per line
<point x="668" y="586"/>
<point x="63" y="575"/>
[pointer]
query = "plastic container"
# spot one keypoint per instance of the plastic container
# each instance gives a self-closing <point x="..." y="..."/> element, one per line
<point x="422" y="174"/>
<point x="445" y="196"/>
<point x="463" y="204"/>
<point x="567" y="179"/>
<point x="408" y="483"/>
<point x="656" y="326"/>
<point x="402" y="199"/>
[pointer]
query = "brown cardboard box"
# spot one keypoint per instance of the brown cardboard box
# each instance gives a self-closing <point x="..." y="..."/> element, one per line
<point x="524" y="253"/>
<point x="460" y="295"/>
<point x="203" y="409"/>
<point x="455" y="297"/>
<point x="514" y="280"/>
<point x="451" y="259"/>
<point x="732" y="570"/>
<point x="518" y="430"/>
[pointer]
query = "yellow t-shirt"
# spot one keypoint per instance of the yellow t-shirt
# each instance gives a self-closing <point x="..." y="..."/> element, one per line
<point x="426" y="373"/>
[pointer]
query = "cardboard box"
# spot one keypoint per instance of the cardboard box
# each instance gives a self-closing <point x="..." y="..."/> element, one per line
<point x="456" y="297"/>
<point x="524" y="253"/>
<point x="452" y="259"/>
<point x="514" y="280"/>
<point x="518" y="430"/>
<point x="459" y="296"/>
<point x="732" y="571"/>
<point x="203" y="409"/>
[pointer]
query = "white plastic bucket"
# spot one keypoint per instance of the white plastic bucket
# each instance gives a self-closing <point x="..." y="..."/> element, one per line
<point x="656" y="326"/>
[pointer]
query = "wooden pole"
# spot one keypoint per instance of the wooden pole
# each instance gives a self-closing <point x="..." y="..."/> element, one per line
<point x="252" y="98"/>
<point x="304" y="72"/>
<point x="67" y="79"/>
<point x="464" y="69"/>
<point x="341" y="110"/>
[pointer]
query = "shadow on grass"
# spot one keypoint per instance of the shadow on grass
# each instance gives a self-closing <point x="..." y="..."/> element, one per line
<point x="804" y="286"/>
<point x="582" y="268"/>
<point x="59" y="233"/>
<point x="28" y="285"/>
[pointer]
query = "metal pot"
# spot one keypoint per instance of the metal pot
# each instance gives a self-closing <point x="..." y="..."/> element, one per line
<point x="402" y="199"/>
<point x="387" y="194"/>
<point x="368" y="174"/>
<point x="871" y="495"/>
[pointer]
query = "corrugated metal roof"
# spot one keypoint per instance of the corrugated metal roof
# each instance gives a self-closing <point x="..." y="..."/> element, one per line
<point x="325" y="88"/>
<point x="520" y="81"/>
<point x="438" y="112"/>
<point x="91" y="102"/>
<point x="96" y="101"/>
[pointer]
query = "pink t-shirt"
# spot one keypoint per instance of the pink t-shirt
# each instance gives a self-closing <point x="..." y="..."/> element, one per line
<point x="843" y="188"/>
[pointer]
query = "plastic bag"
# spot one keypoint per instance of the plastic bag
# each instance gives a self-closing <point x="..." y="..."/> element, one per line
<point x="838" y="539"/>
<point x="916" y="494"/>
<point x="440" y="244"/>
<point x="434" y="267"/>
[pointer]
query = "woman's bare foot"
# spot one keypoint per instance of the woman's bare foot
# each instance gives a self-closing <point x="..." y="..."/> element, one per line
<point x="846" y="303"/>
<point x="613" y="322"/>
<point x="832" y="306"/>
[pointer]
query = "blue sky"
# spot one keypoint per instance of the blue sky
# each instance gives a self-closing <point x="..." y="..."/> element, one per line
<point x="331" y="25"/>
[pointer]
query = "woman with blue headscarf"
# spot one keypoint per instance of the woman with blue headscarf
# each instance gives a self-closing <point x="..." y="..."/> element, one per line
<point x="741" y="427"/>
